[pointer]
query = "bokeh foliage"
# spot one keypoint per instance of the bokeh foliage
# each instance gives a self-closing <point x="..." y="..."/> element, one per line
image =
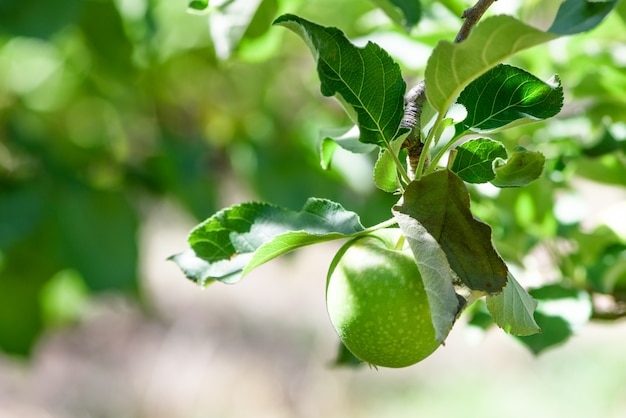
<point x="108" y="105"/>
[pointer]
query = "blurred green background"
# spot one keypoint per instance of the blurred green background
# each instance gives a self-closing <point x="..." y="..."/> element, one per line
<point x="123" y="123"/>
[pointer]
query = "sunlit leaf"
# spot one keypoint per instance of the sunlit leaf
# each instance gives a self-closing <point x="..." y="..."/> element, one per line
<point x="365" y="79"/>
<point x="473" y="161"/>
<point x="513" y="309"/>
<point x="238" y="239"/>
<point x="436" y="273"/>
<point x="451" y="67"/>
<point x="440" y="202"/>
<point x="520" y="169"/>
<point x="505" y="94"/>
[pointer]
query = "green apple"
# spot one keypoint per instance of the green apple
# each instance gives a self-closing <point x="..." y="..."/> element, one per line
<point x="377" y="303"/>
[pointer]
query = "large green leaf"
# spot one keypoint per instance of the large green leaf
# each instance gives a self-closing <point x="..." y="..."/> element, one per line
<point x="235" y="240"/>
<point x="436" y="273"/>
<point x="513" y="309"/>
<point x="440" y="202"/>
<point x="473" y="161"/>
<point x="366" y="80"/>
<point x="576" y="16"/>
<point x="451" y="67"/>
<point x="505" y="94"/>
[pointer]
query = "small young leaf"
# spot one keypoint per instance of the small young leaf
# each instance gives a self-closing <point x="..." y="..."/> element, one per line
<point x="576" y="16"/>
<point x="385" y="169"/>
<point x="406" y="13"/>
<point x="513" y="309"/>
<point x="560" y="313"/>
<point x="474" y="159"/>
<point x="347" y="139"/>
<point x="234" y="241"/>
<point x="436" y="274"/>
<point x="365" y="79"/>
<point x="522" y="168"/>
<point x="505" y="94"/>
<point x="440" y="202"/>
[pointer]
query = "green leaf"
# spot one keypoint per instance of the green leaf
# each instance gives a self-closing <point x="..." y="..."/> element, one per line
<point x="198" y="4"/>
<point x="576" y="16"/>
<point x="561" y="312"/>
<point x="436" y="273"/>
<point x="230" y="20"/>
<point x="406" y="13"/>
<point x="235" y="240"/>
<point x="513" y="309"/>
<point x="522" y="168"/>
<point x="608" y="143"/>
<point x="505" y="94"/>
<point x="366" y="80"/>
<point x="451" y="67"/>
<point x="385" y="170"/>
<point x="474" y="159"/>
<point x="346" y="139"/>
<point x="440" y="202"/>
<point x="345" y="358"/>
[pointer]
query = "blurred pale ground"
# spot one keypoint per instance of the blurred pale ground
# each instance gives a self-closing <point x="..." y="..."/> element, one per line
<point x="262" y="348"/>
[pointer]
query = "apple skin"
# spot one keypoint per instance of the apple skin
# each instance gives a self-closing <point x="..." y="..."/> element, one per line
<point x="377" y="303"/>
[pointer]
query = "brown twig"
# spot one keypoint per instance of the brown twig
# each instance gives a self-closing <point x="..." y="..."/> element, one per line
<point x="416" y="97"/>
<point x="472" y="16"/>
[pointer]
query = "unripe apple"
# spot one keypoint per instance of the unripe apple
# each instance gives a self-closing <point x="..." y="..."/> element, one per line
<point x="377" y="303"/>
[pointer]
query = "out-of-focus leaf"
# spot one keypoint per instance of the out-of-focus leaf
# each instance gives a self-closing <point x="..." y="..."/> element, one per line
<point x="230" y="21"/>
<point x="345" y="358"/>
<point x="561" y="312"/>
<point x="63" y="298"/>
<point x="406" y="13"/>
<point x="607" y="169"/>
<point x="440" y="202"/>
<point x="513" y="309"/>
<point x="365" y="79"/>
<point x="104" y="33"/>
<point x="520" y="169"/>
<point x="38" y="18"/>
<point x="236" y="240"/>
<point x="576" y="16"/>
<point x="473" y="161"/>
<point x="607" y="144"/>
<point x="436" y="273"/>
<point x="198" y="4"/>
<point x="99" y="237"/>
<point x="505" y="94"/>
